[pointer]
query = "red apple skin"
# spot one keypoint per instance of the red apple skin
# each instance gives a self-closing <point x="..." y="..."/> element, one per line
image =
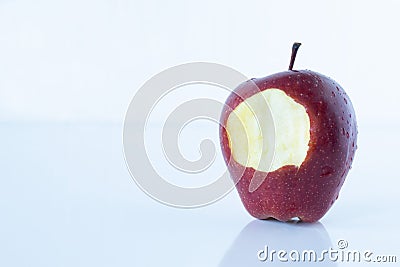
<point x="309" y="191"/>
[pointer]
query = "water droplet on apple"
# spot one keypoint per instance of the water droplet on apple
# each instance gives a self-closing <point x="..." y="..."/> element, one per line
<point x="333" y="94"/>
<point x="352" y="145"/>
<point x="347" y="135"/>
<point x="327" y="170"/>
<point x="295" y="220"/>
<point x="345" y="101"/>
<point x="343" y="131"/>
<point x="337" y="88"/>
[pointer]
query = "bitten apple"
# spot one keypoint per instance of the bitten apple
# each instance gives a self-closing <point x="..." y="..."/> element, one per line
<point x="295" y="134"/>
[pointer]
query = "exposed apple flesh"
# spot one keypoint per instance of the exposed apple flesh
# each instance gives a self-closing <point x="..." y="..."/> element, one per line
<point x="315" y="141"/>
<point x="248" y="124"/>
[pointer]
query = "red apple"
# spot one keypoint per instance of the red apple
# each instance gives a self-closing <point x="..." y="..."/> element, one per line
<point x="313" y="126"/>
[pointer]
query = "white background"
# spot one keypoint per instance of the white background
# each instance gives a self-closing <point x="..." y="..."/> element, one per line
<point x="68" y="70"/>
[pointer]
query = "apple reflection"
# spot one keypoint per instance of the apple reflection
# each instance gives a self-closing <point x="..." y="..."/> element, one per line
<point x="273" y="243"/>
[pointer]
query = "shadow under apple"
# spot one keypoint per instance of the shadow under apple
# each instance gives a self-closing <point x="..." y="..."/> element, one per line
<point x="260" y="242"/>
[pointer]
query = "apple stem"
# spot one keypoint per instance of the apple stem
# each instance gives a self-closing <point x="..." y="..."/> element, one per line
<point x="295" y="47"/>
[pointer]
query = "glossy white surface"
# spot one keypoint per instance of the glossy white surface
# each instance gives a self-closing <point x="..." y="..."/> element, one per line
<point x="66" y="199"/>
